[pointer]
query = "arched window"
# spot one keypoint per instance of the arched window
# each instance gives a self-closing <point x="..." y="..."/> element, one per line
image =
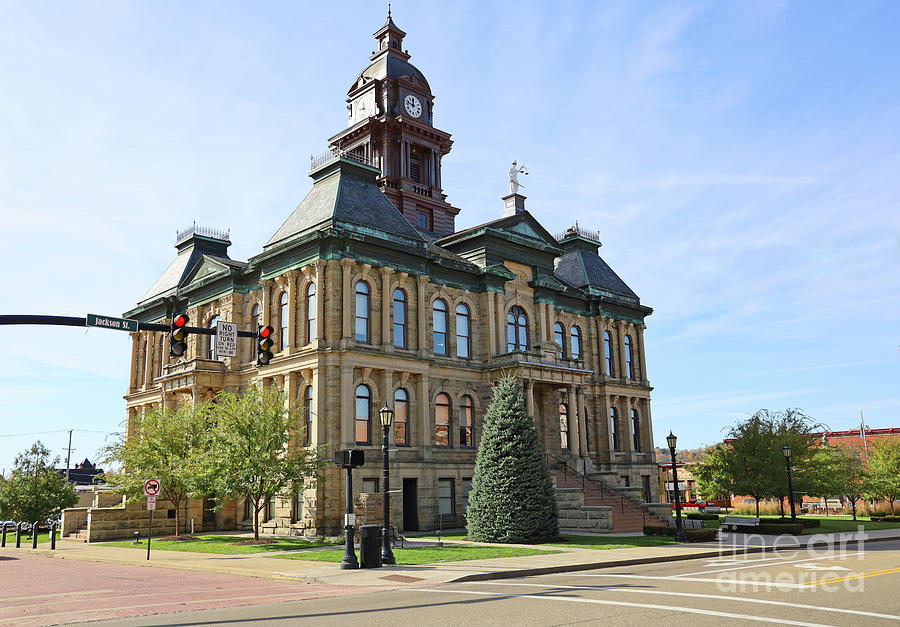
<point x="466" y="420"/>
<point x="559" y="336"/>
<point x="614" y="428"/>
<point x="283" y="321"/>
<point x="608" y="345"/>
<point x="442" y="420"/>
<point x="463" y="331"/>
<point x="310" y="312"/>
<point x="563" y="426"/>
<point x="636" y="429"/>
<point x="362" y="311"/>
<point x="439" y="320"/>
<point x="307" y="415"/>
<point x="363" y="415"/>
<point x="211" y="339"/>
<point x="401" y="417"/>
<point x="516" y="330"/>
<point x="399" y="318"/>
<point x="575" y="335"/>
<point x="629" y="358"/>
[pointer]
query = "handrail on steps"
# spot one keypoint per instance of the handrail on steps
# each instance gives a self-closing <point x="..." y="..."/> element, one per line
<point x="563" y="465"/>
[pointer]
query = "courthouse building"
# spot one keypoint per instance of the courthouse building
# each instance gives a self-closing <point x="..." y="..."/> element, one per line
<point x="377" y="298"/>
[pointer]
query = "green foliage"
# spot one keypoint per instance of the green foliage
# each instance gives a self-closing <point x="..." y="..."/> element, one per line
<point x="512" y="498"/>
<point x="884" y="471"/>
<point x="715" y="474"/>
<point x="691" y="535"/>
<point x="776" y="528"/>
<point x="806" y="523"/>
<point x="172" y="446"/>
<point x="699" y="516"/>
<point x="850" y="474"/>
<point x="254" y="448"/>
<point x="35" y="489"/>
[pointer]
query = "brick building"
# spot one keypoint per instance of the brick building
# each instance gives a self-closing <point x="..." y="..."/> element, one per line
<point x="377" y="298"/>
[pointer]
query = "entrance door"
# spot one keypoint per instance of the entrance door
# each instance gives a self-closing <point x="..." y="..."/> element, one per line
<point x="410" y="505"/>
<point x="209" y="514"/>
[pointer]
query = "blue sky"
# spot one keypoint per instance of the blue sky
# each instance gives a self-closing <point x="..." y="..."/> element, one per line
<point x="739" y="160"/>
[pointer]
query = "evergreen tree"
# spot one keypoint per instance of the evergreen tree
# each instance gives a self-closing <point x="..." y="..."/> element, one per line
<point x="512" y="498"/>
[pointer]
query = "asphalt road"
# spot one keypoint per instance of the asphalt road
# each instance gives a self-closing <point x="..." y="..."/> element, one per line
<point x="818" y="588"/>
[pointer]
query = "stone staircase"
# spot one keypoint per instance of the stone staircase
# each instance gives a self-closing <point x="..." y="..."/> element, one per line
<point x="78" y="536"/>
<point x="627" y="515"/>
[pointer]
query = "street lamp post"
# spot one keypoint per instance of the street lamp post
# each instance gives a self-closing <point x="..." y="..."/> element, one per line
<point x="387" y="417"/>
<point x="671" y="440"/>
<point x="786" y="449"/>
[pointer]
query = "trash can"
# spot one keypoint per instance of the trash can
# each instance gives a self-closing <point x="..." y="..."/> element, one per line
<point x="370" y="546"/>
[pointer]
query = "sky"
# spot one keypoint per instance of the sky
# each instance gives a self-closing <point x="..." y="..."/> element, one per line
<point x="739" y="160"/>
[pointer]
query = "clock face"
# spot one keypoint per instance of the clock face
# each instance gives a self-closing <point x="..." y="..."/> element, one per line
<point x="413" y="106"/>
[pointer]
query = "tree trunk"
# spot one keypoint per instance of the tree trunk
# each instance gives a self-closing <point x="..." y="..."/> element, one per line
<point x="853" y="508"/>
<point x="177" y="518"/>
<point x="757" y="506"/>
<point x="781" y="505"/>
<point x="256" y="519"/>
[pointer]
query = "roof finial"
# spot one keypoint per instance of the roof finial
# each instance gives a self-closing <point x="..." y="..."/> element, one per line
<point x="389" y="10"/>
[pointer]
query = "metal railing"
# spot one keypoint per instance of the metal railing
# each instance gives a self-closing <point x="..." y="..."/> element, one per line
<point x="605" y="489"/>
<point x="336" y="153"/>
<point x="203" y="231"/>
<point x="580" y="231"/>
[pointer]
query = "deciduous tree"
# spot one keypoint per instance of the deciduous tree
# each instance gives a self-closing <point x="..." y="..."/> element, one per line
<point x="35" y="489"/>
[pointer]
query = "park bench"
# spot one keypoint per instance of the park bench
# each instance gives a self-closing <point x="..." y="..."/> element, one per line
<point x="740" y="523"/>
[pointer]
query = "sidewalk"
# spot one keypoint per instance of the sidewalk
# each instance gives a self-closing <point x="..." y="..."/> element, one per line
<point x="568" y="560"/>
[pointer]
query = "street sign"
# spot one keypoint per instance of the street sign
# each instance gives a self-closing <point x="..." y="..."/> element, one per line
<point x="151" y="503"/>
<point x="109" y="322"/>
<point x="152" y="487"/>
<point x="226" y="339"/>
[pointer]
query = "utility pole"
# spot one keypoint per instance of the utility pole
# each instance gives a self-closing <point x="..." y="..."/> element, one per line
<point x="68" y="455"/>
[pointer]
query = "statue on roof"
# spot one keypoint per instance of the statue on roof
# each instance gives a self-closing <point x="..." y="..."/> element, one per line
<point x="514" y="171"/>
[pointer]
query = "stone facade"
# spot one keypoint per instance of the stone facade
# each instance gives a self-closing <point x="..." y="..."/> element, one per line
<point x="425" y="316"/>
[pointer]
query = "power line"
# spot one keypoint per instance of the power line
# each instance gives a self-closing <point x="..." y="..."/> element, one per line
<point x="18" y="435"/>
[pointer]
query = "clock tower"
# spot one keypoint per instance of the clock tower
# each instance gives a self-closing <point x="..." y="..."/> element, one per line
<point x="390" y="122"/>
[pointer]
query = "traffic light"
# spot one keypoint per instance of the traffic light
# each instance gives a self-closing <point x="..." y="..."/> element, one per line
<point x="178" y="335"/>
<point x="263" y="345"/>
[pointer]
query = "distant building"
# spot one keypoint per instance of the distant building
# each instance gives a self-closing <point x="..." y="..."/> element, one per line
<point x="83" y="473"/>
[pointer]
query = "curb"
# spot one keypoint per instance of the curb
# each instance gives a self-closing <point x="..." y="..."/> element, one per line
<point x="571" y="568"/>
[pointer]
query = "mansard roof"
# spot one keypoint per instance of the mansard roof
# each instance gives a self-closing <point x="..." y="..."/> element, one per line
<point x="344" y="195"/>
<point x="584" y="269"/>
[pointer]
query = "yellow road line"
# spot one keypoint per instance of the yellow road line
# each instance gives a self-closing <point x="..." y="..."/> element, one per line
<point x="873" y="573"/>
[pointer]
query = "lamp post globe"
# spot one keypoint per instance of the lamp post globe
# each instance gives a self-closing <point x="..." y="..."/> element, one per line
<point x="387" y="417"/>
<point x="672" y="440"/>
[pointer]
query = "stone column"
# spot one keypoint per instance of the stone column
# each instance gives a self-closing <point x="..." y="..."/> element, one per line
<point x="320" y="300"/>
<point x="627" y="431"/>
<point x="529" y="398"/>
<point x="620" y="345"/>
<point x="582" y="423"/>
<point x="501" y="323"/>
<point x="150" y="341"/>
<point x="388" y="400"/>
<point x="289" y="385"/>
<point x="492" y="330"/>
<point x="642" y="353"/>
<point x="348" y="433"/>
<point x="266" y="313"/>
<point x="426" y="432"/>
<point x="386" y="302"/>
<point x="321" y="418"/>
<point x="574" y="432"/>
<point x="292" y="312"/>
<point x="347" y="301"/>
<point x="421" y="287"/>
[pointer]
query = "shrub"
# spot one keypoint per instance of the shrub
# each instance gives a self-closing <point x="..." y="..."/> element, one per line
<point x="512" y="498"/>
<point x="891" y="519"/>
<point x="806" y="523"/>
<point x="699" y="516"/>
<point x="692" y="535"/>
<point x="792" y="529"/>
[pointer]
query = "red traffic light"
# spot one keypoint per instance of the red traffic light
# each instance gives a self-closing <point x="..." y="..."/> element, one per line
<point x="180" y="320"/>
<point x="266" y="332"/>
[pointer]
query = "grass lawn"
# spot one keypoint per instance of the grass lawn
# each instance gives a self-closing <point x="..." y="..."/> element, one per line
<point x="43" y="537"/>
<point x="842" y="524"/>
<point x="221" y="544"/>
<point x="428" y="555"/>
<point x="606" y="542"/>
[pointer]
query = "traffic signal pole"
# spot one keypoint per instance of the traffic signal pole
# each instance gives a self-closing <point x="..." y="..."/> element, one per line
<point x="71" y="321"/>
